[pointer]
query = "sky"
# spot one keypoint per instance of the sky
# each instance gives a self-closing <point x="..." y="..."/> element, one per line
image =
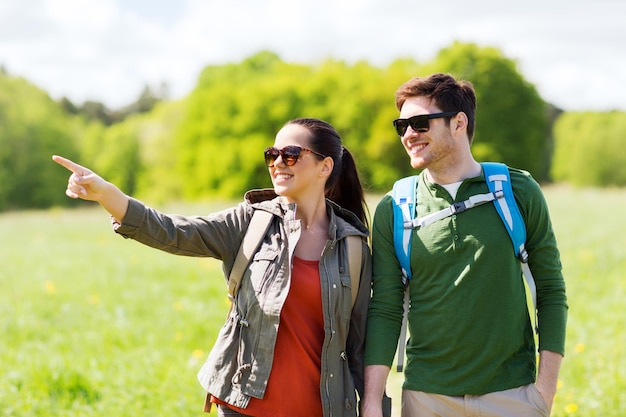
<point x="573" y="51"/>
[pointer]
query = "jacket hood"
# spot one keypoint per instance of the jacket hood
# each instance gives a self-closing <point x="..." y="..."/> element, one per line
<point x="345" y="224"/>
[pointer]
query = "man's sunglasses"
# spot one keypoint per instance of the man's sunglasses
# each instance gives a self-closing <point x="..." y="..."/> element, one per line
<point x="419" y="123"/>
<point x="290" y="154"/>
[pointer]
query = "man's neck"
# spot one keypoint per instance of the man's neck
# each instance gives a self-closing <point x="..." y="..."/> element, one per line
<point x="453" y="172"/>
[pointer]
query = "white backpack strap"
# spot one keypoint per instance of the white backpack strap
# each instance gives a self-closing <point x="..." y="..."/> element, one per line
<point x="473" y="201"/>
<point x="355" y="256"/>
<point x="257" y="228"/>
<point x="530" y="281"/>
<point x="403" y="330"/>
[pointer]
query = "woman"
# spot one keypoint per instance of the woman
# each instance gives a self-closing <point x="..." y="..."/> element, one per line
<point x="293" y="343"/>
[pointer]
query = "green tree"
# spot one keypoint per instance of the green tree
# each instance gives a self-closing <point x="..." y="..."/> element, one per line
<point x="588" y="149"/>
<point x="157" y="178"/>
<point x="352" y="98"/>
<point x="512" y="119"/>
<point x="385" y="159"/>
<point x="97" y="111"/>
<point x="113" y="152"/>
<point x="144" y="103"/>
<point x="231" y="116"/>
<point x="250" y="101"/>
<point x="236" y="109"/>
<point x="32" y="128"/>
<point x="211" y="143"/>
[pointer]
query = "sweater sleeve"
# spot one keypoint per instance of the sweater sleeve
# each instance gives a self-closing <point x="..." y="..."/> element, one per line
<point x="544" y="262"/>
<point x="386" y="305"/>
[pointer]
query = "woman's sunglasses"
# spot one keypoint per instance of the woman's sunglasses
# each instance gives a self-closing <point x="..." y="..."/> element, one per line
<point x="419" y="123"/>
<point x="290" y="154"/>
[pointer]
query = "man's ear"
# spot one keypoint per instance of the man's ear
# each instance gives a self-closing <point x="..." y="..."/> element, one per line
<point x="458" y="124"/>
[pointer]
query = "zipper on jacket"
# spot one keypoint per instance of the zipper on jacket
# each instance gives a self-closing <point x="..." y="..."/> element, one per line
<point x="331" y="319"/>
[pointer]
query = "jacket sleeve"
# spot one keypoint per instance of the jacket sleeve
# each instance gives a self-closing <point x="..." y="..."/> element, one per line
<point x="216" y="235"/>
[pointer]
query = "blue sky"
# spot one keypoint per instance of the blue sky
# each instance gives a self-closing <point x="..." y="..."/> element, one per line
<point x="107" y="50"/>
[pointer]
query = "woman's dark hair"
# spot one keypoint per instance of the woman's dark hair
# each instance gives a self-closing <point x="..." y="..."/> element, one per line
<point x="344" y="184"/>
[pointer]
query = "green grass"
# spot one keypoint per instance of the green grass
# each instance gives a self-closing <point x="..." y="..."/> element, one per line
<point x="96" y="325"/>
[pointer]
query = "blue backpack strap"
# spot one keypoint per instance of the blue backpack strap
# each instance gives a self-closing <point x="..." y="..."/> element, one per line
<point x="498" y="178"/>
<point x="404" y="196"/>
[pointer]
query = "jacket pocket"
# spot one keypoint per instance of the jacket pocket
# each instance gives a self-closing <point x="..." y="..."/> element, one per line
<point x="346" y="297"/>
<point x="263" y="267"/>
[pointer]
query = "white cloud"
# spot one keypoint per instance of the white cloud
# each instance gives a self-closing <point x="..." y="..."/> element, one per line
<point x="79" y="16"/>
<point x="107" y="50"/>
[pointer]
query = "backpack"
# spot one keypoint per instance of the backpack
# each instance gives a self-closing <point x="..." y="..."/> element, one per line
<point x="404" y="195"/>
<point x="259" y="224"/>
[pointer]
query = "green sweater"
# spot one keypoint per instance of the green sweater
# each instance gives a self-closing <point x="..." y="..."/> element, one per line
<point x="470" y="332"/>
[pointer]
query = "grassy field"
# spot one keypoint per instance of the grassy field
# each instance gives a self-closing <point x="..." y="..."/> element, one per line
<point x="95" y="325"/>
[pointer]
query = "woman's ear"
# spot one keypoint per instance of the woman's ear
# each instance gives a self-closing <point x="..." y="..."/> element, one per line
<point x="327" y="165"/>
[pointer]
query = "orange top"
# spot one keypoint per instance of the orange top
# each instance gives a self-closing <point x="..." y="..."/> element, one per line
<point x="293" y="389"/>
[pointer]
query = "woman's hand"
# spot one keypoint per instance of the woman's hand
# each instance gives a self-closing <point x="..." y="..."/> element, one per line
<point x="85" y="184"/>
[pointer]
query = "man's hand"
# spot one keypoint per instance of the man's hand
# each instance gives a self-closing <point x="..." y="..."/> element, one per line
<point x="549" y="365"/>
<point x="375" y="382"/>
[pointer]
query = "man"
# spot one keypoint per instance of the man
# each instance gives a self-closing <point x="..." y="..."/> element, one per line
<point x="471" y="350"/>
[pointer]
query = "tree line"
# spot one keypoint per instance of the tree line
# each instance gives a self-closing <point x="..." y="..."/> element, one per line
<point x="210" y="143"/>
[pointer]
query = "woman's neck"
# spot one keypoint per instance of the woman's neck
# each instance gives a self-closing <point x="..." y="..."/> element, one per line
<point x="314" y="223"/>
<point x="312" y="215"/>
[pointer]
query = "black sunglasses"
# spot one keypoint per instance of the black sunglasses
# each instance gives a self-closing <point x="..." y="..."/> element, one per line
<point x="290" y="154"/>
<point x="419" y="123"/>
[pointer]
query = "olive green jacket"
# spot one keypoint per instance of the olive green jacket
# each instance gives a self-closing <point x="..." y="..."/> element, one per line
<point x="239" y="364"/>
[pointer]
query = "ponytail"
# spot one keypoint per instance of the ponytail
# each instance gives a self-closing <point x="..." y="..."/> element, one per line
<point x="347" y="190"/>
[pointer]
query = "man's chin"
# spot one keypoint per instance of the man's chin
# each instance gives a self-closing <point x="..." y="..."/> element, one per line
<point x="418" y="163"/>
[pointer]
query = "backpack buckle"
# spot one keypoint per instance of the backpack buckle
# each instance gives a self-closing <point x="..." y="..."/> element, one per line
<point x="523" y="254"/>
<point x="459" y="207"/>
